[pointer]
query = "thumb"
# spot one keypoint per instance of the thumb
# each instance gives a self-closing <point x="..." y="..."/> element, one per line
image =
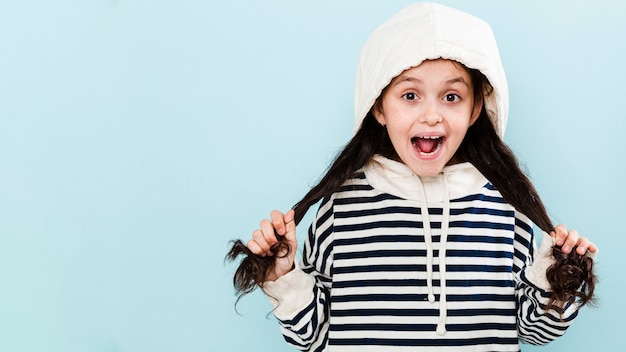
<point x="286" y="257"/>
<point x="290" y="226"/>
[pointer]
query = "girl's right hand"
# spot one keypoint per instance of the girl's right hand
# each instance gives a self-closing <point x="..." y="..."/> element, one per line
<point x="262" y="240"/>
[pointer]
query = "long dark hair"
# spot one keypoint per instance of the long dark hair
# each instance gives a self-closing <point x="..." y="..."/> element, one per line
<point x="370" y="139"/>
<point x="571" y="277"/>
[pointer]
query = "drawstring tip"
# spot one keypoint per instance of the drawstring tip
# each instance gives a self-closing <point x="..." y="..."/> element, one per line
<point x="441" y="329"/>
<point x="431" y="297"/>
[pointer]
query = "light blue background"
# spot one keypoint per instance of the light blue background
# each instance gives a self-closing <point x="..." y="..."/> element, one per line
<point x="138" y="137"/>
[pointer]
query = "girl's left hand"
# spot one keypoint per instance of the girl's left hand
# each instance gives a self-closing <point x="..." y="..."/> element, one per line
<point x="568" y="239"/>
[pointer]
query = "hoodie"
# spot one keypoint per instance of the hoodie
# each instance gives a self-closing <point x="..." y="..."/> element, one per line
<point x="395" y="261"/>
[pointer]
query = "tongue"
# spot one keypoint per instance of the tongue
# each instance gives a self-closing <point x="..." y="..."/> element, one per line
<point x="427" y="145"/>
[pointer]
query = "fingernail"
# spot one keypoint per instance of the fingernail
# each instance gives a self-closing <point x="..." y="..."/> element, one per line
<point x="566" y="249"/>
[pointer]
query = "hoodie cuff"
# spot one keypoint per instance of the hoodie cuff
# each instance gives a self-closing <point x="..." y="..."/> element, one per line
<point x="536" y="273"/>
<point x="290" y="292"/>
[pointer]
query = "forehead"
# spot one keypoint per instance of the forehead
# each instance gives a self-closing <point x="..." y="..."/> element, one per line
<point x="441" y="69"/>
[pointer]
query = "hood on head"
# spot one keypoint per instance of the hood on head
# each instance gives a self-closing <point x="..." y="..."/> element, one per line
<point x="427" y="31"/>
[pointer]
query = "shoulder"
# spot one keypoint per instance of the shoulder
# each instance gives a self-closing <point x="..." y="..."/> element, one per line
<point x="356" y="189"/>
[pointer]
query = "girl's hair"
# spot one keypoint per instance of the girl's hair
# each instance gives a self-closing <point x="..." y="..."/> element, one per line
<point x="371" y="139"/>
<point x="571" y="277"/>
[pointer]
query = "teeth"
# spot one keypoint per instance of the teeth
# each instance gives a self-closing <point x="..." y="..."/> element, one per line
<point x="430" y="137"/>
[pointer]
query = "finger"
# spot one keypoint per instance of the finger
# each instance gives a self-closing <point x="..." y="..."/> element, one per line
<point x="255" y="248"/>
<point x="261" y="242"/>
<point x="570" y="241"/>
<point x="560" y="233"/>
<point x="278" y="221"/>
<point x="585" y="245"/>
<point x="582" y="245"/>
<point x="267" y="227"/>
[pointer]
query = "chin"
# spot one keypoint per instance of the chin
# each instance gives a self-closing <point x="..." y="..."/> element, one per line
<point x="427" y="171"/>
<point x="427" y="165"/>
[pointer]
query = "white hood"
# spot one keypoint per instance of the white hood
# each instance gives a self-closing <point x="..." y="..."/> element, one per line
<point x="430" y="31"/>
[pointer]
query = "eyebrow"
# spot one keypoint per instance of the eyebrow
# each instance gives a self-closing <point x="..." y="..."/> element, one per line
<point x="457" y="80"/>
<point x="404" y="78"/>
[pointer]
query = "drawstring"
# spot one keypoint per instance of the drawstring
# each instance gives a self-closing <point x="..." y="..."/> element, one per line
<point x="443" y="310"/>
<point x="445" y="220"/>
<point x="429" y="242"/>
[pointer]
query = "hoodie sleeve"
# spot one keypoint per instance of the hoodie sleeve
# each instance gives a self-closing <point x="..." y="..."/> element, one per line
<point x="536" y="325"/>
<point x="301" y="297"/>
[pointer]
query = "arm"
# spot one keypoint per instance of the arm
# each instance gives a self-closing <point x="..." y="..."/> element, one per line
<point x="301" y="297"/>
<point x="537" y="324"/>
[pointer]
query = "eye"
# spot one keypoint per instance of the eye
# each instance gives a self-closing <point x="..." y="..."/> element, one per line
<point x="409" y="96"/>
<point x="451" y="98"/>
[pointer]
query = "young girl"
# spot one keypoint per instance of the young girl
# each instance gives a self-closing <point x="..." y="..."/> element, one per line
<point x="424" y="237"/>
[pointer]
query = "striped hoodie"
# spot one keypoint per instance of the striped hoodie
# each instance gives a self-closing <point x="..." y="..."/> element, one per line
<point x="397" y="262"/>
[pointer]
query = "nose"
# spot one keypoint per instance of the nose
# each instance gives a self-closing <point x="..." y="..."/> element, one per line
<point x="431" y="114"/>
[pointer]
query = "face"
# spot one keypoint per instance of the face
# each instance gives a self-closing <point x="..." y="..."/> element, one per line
<point x="427" y="110"/>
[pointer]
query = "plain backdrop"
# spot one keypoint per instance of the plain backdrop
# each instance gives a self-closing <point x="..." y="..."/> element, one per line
<point x="137" y="138"/>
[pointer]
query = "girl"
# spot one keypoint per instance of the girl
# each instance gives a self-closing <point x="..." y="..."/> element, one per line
<point x="424" y="236"/>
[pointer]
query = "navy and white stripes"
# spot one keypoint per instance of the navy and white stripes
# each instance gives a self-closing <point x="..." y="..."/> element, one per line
<point x="367" y="252"/>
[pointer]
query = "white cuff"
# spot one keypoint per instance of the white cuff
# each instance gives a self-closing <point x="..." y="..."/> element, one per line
<point x="536" y="273"/>
<point x="290" y="293"/>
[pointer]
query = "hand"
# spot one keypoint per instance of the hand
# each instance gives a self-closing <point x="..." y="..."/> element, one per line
<point x="264" y="238"/>
<point x="568" y="239"/>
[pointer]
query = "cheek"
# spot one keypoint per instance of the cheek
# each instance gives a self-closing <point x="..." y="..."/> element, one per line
<point x="396" y="118"/>
<point x="397" y="130"/>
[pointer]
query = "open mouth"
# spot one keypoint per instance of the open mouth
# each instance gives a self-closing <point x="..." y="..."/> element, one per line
<point x="427" y="145"/>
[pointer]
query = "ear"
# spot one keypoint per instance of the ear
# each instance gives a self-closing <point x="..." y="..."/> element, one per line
<point x="377" y="110"/>
<point x="478" y="106"/>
